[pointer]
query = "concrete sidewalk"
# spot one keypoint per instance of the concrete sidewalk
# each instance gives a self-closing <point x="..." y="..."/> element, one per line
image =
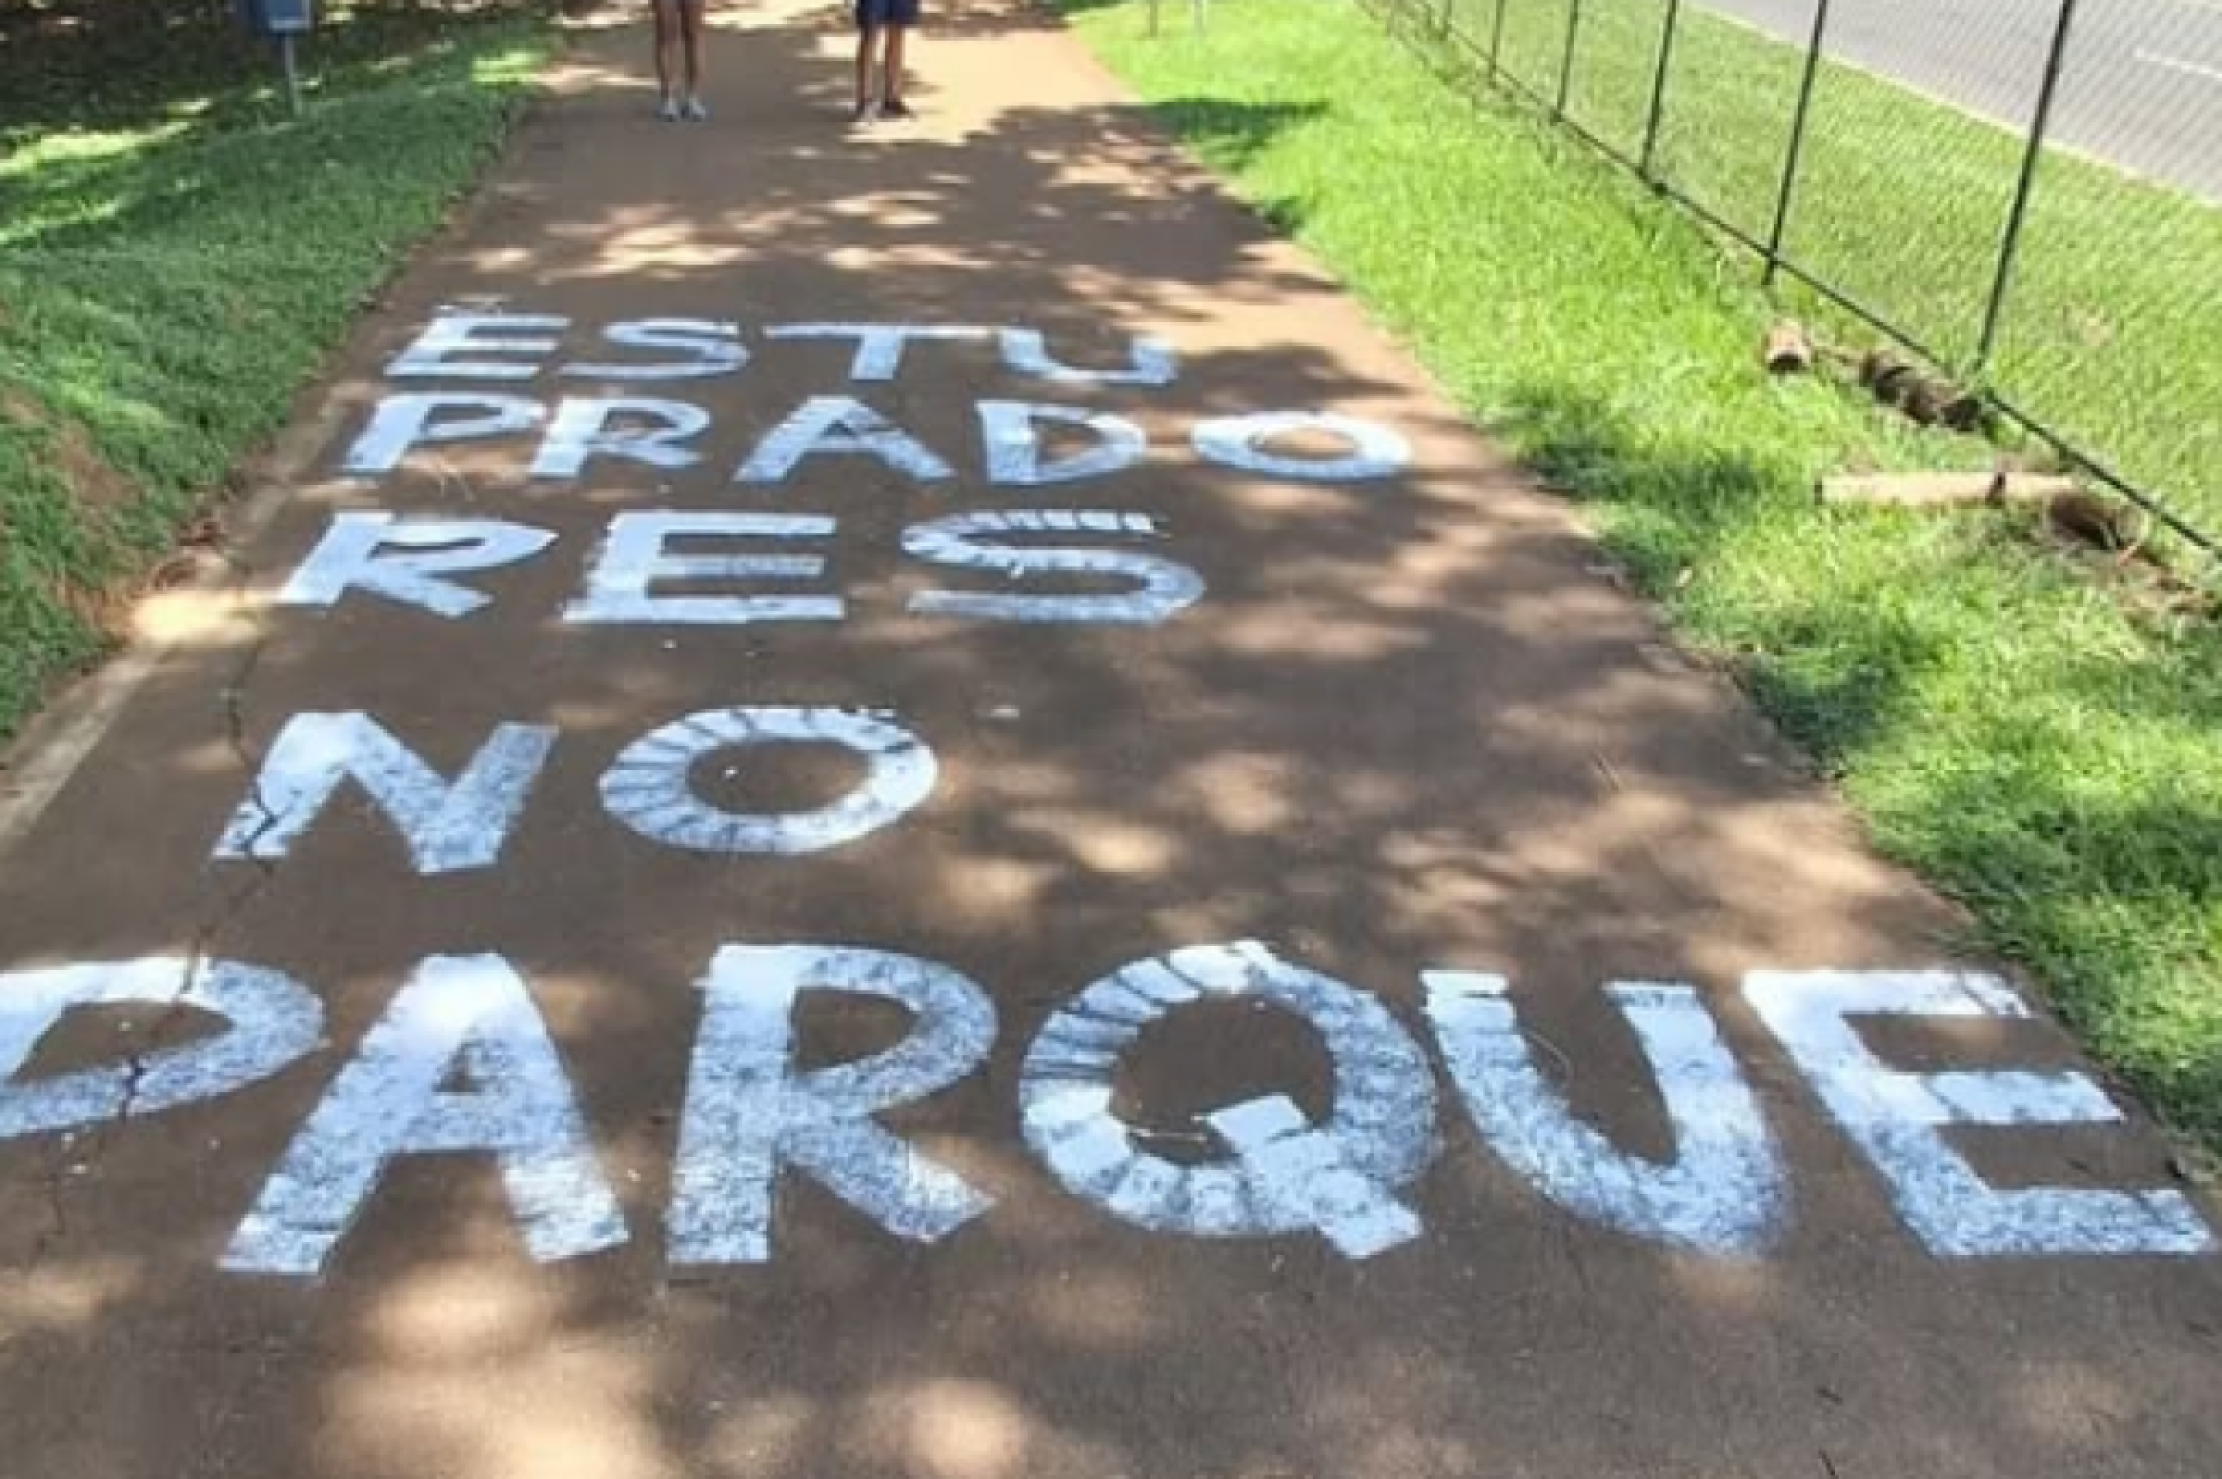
<point x="1144" y="909"/>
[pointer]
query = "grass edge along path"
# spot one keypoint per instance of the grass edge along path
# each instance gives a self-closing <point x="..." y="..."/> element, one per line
<point x="2004" y="724"/>
<point x="171" y="278"/>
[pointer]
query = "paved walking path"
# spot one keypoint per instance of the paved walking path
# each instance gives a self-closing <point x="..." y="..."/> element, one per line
<point x="1095" y="890"/>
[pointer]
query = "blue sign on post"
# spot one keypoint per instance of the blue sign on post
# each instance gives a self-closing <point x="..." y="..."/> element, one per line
<point x="277" y="17"/>
<point x="284" y="20"/>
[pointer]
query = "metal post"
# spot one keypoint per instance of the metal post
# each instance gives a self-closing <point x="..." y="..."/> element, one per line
<point x="2040" y="128"/>
<point x="292" y="74"/>
<point x="1566" y="64"/>
<point x="1154" y="7"/>
<point x="1496" y="38"/>
<point x="1815" y="49"/>
<point x="1657" y="115"/>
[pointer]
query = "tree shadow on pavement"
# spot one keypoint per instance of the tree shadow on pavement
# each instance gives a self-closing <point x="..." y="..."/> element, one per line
<point x="1411" y="725"/>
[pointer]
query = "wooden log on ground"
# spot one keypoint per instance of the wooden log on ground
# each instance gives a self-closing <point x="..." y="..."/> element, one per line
<point x="2099" y="522"/>
<point x="1945" y="489"/>
<point x="1789" y="350"/>
<point x="1926" y="399"/>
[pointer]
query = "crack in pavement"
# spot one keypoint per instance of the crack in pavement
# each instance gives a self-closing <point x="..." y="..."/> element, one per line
<point x="80" y="1155"/>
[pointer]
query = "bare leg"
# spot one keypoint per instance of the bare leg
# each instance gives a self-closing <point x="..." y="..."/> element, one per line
<point x="667" y="43"/>
<point x="691" y="12"/>
<point x="891" y="86"/>
<point x="864" y="40"/>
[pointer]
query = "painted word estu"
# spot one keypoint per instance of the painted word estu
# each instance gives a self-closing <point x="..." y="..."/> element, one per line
<point x="461" y="1061"/>
<point x="511" y="347"/>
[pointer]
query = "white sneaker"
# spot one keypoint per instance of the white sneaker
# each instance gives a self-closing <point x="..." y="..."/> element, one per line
<point x="695" y="112"/>
<point x="669" y="111"/>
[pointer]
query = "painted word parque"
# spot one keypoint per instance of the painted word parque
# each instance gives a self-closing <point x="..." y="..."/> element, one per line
<point x="754" y="1116"/>
<point x="461" y="1061"/>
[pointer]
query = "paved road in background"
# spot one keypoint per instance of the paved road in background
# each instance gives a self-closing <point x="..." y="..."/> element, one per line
<point x="2142" y="90"/>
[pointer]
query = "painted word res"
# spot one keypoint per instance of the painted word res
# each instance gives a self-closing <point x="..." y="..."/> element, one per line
<point x="768" y="567"/>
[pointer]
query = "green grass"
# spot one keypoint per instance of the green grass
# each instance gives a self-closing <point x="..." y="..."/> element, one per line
<point x="2114" y="336"/>
<point x="2005" y="723"/>
<point x="175" y="259"/>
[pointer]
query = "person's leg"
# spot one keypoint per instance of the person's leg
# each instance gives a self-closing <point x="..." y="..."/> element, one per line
<point x="901" y="16"/>
<point x="667" y="43"/>
<point x="867" y="35"/>
<point x="891" y="74"/>
<point x="691" y="14"/>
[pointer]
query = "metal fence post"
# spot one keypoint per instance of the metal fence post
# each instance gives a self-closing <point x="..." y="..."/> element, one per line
<point x="1496" y="39"/>
<point x="1657" y="115"/>
<point x="2017" y="218"/>
<point x="1566" y="65"/>
<point x="1816" y="49"/>
<point x="292" y="69"/>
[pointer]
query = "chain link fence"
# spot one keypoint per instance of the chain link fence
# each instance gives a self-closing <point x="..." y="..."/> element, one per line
<point x="2026" y="192"/>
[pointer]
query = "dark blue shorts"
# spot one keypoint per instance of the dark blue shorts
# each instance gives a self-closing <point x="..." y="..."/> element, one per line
<point x="878" y="15"/>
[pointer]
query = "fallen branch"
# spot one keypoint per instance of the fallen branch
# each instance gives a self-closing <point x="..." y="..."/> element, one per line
<point x="2087" y="518"/>
<point x="1946" y="490"/>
